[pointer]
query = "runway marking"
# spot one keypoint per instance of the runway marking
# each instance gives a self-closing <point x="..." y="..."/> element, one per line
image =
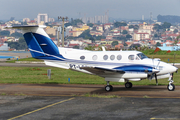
<point x="41" y="108"/>
<point x="164" y="119"/>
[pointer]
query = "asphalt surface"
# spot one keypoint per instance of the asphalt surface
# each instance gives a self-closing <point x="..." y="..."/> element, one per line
<point x="85" y="108"/>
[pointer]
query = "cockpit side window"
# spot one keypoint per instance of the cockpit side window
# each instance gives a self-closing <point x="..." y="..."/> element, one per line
<point x="137" y="58"/>
<point x="141" y="56"/>
<point x="131" y="57"/>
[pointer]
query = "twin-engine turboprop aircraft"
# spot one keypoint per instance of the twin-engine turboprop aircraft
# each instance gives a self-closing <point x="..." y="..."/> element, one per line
<point x="116" y="66"/>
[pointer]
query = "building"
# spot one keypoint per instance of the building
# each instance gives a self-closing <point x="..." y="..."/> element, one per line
<point x="42" y="18"/>
<point x="96" y="19"/>
<point x="171" y="48"/>
<point x="26" y="20"/>
<point x="4" y="46"/>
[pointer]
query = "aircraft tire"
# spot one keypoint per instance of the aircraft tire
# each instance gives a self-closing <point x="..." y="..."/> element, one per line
<point x="128" y="85"/>
<point x="109" y="88"/>
<point x="171" y="87"/>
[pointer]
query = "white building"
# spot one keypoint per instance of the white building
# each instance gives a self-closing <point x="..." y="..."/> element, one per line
<point x="4" y="47"/>
<point x="42" y="18"/>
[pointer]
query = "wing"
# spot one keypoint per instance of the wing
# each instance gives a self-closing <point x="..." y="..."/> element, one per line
<point x="101" y="71"/>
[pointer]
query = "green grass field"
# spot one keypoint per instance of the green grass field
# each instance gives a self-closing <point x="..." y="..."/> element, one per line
<point x="38" y="75"/>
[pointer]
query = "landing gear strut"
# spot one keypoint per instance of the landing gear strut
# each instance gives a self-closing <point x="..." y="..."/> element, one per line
<point x="171" y="86"/>
<point x="108" y="87"/>
<point x="128" y="85"/>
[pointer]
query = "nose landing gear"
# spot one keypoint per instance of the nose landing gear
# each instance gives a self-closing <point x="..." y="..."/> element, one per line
<point x="171" y="86"/>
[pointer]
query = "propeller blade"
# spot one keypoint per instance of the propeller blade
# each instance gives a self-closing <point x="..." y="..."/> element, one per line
<point x="172" y="76"/>
<point x="174" y="58"/>
<point x="156" y="79"/>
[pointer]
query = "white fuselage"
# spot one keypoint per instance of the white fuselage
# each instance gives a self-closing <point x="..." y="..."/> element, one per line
<point x="74" y="59"/>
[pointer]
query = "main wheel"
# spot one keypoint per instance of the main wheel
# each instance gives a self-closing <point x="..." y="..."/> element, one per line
<point x="128" y="85"/>
<point x="171" y="87"/>
<point x="109" y="88"/>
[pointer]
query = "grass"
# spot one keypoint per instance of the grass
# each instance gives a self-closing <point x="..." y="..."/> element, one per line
<point x="100" y="96"/>
<point x="38" y="75"/>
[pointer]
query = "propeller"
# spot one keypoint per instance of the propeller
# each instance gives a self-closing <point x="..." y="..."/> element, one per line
<point x="154" y="71"/>
<point x="156" y="79"/>
<point x="173" y="65"/>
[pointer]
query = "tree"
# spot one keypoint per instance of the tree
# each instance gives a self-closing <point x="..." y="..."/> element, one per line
<point x="128" y="36"/>
<point x="175" y="31"/>
<point x="75" y="22"/>
<point x="114" y="43"/>
<point x="67" y="24"/>
<point x="157" y="27"/>
<point x="158" y="44"/>
<point x="125" y="44"/>
<point x="90" y="24"/>
<point x="76" y="47"/>
<point x="155" y="35"/>
<point x="124" y="32"/>
<point x="17" y="35"/>
<point x="166" y="25"/>
<point x="131" y="26"/>
<point x="136" y="27"/>
<point x="20" y="45"/>
<point x="92" y="39"/>
<point x="121" y="38"/>
<point x="4" y="33"/>
<point x="98" y="37"/>
<point x="118" y="24"/>
<point x="86" y="34"/>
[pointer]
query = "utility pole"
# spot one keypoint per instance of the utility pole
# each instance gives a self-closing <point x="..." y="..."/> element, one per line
<point x="62" y="18"/>
<point x="58" y="31"/>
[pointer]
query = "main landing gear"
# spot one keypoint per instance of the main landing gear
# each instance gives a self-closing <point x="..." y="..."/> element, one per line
<point x="110" y="87"/>
<point x="171" y="86"/>
<point x="128" y="85"/>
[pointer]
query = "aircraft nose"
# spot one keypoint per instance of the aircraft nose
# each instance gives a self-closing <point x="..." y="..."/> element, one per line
<point x="173" y="69"/>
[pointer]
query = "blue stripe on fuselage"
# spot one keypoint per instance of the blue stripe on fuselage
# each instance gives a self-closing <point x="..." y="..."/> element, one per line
<point x="137" y="68"/>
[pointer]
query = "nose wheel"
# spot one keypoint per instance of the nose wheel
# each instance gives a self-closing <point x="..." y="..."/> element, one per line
<point x="171" y="86"/>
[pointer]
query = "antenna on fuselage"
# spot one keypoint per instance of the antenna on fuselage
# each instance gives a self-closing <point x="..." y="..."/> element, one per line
<point x="103" y="48"/>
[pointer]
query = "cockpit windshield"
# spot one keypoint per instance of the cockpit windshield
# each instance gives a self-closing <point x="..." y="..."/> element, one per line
<point x="141" y="56"/>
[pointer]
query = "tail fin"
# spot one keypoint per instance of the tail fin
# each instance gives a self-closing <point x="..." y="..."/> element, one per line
<point x="39" y="43"/>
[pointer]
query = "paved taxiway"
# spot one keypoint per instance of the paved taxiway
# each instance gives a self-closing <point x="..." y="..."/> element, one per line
<point x="84" y="108"/>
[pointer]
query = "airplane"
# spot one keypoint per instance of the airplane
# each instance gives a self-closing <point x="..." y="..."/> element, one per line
<point x="114" y="66"/>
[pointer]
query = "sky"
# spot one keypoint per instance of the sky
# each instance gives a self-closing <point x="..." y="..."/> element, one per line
<point x="124" y="9"/>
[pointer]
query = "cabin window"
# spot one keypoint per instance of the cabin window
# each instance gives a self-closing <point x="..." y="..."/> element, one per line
<point x="82" y="57"/>
<point x="94" y="57"/>
<point x="105" y="57"/>
<point x="119" y="57"/>
<point x="131" y="57"/>
<point x="112" y="57"/>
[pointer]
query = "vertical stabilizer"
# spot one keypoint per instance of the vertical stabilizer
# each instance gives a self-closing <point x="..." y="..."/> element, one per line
<point x="39" y="43"/>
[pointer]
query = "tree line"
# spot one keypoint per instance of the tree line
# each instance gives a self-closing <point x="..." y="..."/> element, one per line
<point x="19" y="45"/>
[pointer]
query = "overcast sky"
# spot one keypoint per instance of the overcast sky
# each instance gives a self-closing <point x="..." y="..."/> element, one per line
<point x="125" y="9"/>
